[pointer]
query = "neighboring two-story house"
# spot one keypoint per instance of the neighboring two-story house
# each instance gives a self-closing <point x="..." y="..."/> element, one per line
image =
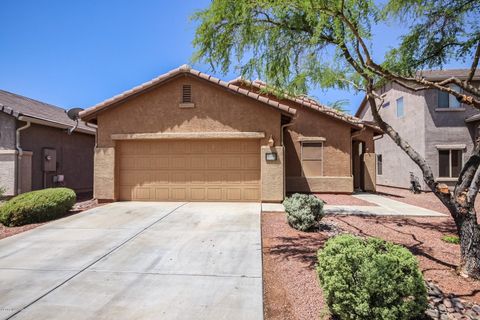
<point x="434" y="123"/>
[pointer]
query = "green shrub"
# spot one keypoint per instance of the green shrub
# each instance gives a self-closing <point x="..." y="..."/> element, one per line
<point x="37" y="206"/>
<point x="303" y="211"/>
<point x="451" y="239"/>
<point x="370" y="279"/>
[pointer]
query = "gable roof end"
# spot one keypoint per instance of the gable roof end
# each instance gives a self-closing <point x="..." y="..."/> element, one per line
<point x="306" y="101"/>
<point x="91" y="112"/>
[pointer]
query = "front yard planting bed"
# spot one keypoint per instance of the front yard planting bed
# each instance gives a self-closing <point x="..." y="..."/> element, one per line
<point x="84" y="202"/>
<point x="291" y="289"/>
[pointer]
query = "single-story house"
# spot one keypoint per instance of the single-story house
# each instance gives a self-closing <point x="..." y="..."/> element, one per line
<point x="36" y="150"/>
<point x="187" y="136"/>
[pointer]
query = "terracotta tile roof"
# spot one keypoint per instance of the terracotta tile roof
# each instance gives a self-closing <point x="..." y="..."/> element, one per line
<point x="17" y="105"/>
<point x="90" y="113"/>
<point x="308" y="102"/>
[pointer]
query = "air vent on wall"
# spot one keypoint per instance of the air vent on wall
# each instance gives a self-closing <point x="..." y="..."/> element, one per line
<point x="187" y="93"/>
<point x="187" y="97"/>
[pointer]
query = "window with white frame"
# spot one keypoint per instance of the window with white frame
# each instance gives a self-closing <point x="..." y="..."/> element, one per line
<point x="379" y="164"/>
<point x="312" y="158"/>
<point x="400" y="108"/>
<point x="446" y="100"/>
<point x="450" y="163"/>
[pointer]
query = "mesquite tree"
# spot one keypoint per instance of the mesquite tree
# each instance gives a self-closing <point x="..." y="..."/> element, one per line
<point x="295" y="44"/>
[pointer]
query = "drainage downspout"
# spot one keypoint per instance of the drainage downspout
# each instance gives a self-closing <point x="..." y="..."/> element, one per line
<point x="282" y="128"/>
<point x="20" y="153"/>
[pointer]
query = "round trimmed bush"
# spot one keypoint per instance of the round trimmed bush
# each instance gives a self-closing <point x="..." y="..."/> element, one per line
<point x="370" y="279"/>
<point x="303" y="211"/>
<point x="37" y="206"/>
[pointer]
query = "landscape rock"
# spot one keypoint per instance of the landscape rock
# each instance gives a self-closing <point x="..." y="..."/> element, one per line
<point x="443" y="306"/>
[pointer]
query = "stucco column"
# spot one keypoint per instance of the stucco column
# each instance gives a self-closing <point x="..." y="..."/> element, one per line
<point x="7" y="168"/>
<point x="104" y="174"/>
<point x="370" y="172"/>
<point x="273" y="179"/>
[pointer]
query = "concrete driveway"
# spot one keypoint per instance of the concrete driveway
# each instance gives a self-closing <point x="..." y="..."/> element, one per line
<point x="132" y="260"/>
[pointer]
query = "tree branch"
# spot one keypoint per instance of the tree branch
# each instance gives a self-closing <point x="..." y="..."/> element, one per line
<point x="473" y="68"/>
<point x="428" y="176"/>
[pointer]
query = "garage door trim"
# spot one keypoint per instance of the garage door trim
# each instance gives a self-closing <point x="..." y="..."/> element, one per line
<point x="188" y="135"/>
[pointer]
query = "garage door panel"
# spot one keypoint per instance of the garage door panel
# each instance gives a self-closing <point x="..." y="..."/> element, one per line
<point x="251" y="193"/>
<point x="162" y="193"/>
<point x="179" y="194"/>
<point x="251" y="162"/>
<point x="208" y="170"/>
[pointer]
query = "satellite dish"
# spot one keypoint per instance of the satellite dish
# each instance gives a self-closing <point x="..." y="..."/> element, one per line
<point x="73" y="113"/>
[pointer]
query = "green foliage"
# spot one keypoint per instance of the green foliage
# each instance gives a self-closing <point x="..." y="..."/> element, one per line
<point x="2" y="192"/>
<point x="296" y="44"/>
<point x="451" y="239"/>
<point x="303" y="211"/>
<point x="339" y="105"/>
<point x="290" y="44"/>
<point x="370" y="279"/>
<point x="440" y="31"/>
<point x="37" y="206"/>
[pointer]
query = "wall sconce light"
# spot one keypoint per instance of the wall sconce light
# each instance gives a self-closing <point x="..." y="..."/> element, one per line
<point x="271" y="142"/>
<point x="271" y="156"/>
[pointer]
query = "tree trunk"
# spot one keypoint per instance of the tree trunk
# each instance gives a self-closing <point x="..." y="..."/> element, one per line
<point x="469" y="233"/>
<point x="461" y="204"/>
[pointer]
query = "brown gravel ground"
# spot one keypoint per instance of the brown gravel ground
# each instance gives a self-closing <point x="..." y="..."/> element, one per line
<point x="425" y="200"/>
<point x="84" y="202"/>
<point x="290" y="285"/>
<point x="342" y="199"/>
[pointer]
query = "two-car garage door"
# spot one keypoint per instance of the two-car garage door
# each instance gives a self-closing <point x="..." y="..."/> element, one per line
<point x="189" y="170"/>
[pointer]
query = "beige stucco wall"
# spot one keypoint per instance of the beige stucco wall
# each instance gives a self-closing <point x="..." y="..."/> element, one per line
<point x="104" y="174"/>
<point x="337" y="167"/>
<point x="272" y="172"/>
<point x="337" y="175"/>
<point x="320" y="184"/>
<point x="8" y="162"/>
<point x="157" y="111"/>
<point x="7" y="168"/>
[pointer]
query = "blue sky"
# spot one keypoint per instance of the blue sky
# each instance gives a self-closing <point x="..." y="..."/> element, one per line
<point x="78" y="53"/>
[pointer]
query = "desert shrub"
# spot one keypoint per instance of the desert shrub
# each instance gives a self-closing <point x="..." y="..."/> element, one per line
<point x="303" y="211"/>
<point x="370" y="279"/>
<point x="37" y="206"/>
<point x="451" y="239"/>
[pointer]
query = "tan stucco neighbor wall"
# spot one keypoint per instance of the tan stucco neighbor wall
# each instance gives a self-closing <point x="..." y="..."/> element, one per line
<point x="273" y="181"/>
<point x="157" y="111"/>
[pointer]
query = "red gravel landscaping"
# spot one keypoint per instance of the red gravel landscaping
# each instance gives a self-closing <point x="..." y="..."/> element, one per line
<point x="290" y="285"/>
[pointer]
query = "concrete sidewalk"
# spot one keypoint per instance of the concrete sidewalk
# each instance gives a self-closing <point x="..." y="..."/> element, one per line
<point x="132" y="260"/>
<point x="384" y="207"/>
